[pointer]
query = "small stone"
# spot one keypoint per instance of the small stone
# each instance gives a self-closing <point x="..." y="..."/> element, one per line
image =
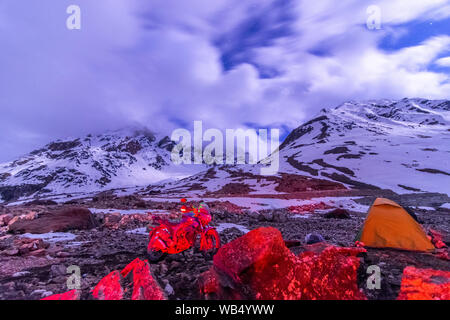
<point x="169" y="289"/>
<point x="63" y="254"/>
<point x="39" y="252"/>
<point x="38" y="292"/>
<point x="163" y="269"/>
<point x="58" y="270"/>
<point x="46" y="294"/>
<point x="174" y="265"/>
<point x="20" y="274"/>
<point x="11" y="252"/>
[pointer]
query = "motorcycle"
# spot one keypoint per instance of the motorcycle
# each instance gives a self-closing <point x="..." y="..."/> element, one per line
<point x="172" y="238"/>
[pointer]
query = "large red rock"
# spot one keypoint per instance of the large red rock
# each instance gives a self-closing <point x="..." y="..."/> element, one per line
<point x="258" y="265"/>
<point x="424" y="284"/>
<point x="56" y="221"/>
<point x="145" y="286"/>
<point x="330" y="274"/>
<point x="109" y="288"/>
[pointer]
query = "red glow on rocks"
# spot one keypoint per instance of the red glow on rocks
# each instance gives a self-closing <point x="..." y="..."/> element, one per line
<point x="109" y="288"/>
<point x="443" y="254"/>
<point x="145" y="286"/>
<point x="258" y="265"/>
<point x="70" y="295"/>
<point x="437" y="238"/>
<point x="424" y="284"/>
<point x="142" y="287"/>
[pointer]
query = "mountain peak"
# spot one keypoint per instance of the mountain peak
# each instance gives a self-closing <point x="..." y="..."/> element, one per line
<point x="127" y="157"/>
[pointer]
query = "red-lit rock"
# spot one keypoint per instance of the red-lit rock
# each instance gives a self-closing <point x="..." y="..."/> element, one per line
<point x="209" y="283"/>
<point x="443" y="254"/>
<point x="330" y="275"/>
<point x="424" y="284"/>
<point x="109" y="288"/>
<point x="70" y="295"/>
<point x="145" y="286"/>
<point x="258" y="265"/>
<point x="136" y="278"/>
<point x="60" y="220"/>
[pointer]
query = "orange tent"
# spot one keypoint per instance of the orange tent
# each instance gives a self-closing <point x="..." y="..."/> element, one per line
<point x="388" y="225"/>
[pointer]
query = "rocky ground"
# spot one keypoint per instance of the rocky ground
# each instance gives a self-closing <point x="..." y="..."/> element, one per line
<point x="33" y="269"/>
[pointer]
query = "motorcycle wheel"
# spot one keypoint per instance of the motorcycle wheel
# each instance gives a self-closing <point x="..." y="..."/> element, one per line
<point x="155" y="256"/>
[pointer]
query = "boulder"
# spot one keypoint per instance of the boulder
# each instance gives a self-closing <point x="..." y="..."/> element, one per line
<point x="258" y="265"/>
<point x="437" y="238"/>
<point x="443" y="254"/>
<point x="424" y="284"/>
<point x="109" y="288"/>
<point x="255" y="263"/>
<point x="145" y="286"/>
<point x="56" y="221"/>
<point x="331" y="274"/>
<point x="314" y="237"/>
<point x="338" y="214"/>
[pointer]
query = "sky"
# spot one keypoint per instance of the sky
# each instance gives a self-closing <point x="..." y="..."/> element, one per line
<point x="230" y="63"/>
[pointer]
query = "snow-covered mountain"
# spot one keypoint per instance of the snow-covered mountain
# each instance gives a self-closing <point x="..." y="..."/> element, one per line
<point x="122" y="158"/>
<point x="401" y="145"/>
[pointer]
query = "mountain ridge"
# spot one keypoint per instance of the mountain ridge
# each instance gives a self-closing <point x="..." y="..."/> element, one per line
<point x="346" y="144"/>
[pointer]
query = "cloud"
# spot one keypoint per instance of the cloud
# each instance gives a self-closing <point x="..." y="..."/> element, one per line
<point x="230" y="63"/>
<point x="443" y="62"/>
